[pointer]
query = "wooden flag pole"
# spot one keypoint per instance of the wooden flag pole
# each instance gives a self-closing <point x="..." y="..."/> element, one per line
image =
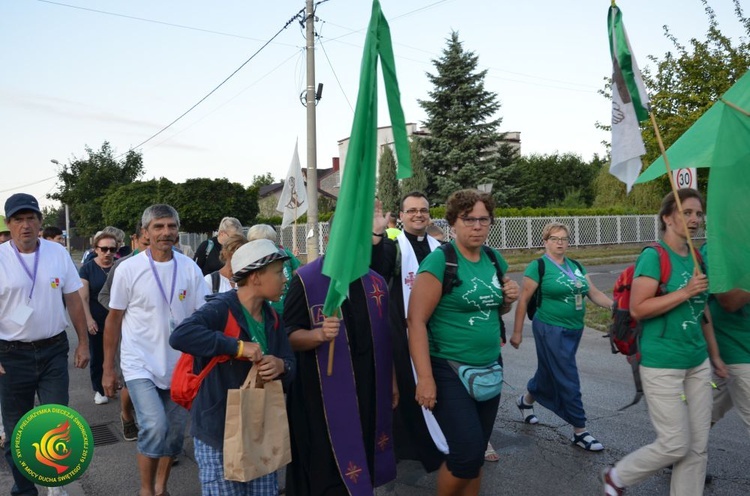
<point x="674" y="191"/>
<point x="331" y="347"/>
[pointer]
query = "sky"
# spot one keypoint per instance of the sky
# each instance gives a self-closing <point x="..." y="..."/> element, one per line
<point x="76" y="73"/>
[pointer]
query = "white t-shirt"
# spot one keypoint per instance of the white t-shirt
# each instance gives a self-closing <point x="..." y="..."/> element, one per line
<point x="224" y="283"/>
<point x="56" y="275"/>
<point x="145" y="352"/>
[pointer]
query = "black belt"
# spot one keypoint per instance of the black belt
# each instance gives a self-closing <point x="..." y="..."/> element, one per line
<point x="35" y="345"/>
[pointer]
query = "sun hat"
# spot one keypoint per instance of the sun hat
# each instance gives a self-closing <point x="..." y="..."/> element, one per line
<point x="3" y="225"/>
<point x="253" y="256"/>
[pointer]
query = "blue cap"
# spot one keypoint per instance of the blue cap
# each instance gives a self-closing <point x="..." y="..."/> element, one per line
<point x="20" y="201"/>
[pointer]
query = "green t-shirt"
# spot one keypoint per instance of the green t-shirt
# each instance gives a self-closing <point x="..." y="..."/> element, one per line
<point x="464" y="326"/>
<point x="732" y="329"/>
<point x="559" y="293"/>
<point x="673" y="340"/>
<point x="289" y="267"/>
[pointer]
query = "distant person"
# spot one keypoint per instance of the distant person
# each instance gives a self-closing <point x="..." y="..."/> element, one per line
<point x="151" y="294"/>
<point x="36" y="276"/>
<point x="291" y="264"/>
<point x="54" y="234"/>
<point x="4" y="231"/>
<point x="118" y="234"/>
<point x="436" y="232"/>
<point x="220" y="281"/>
<point x="93" y="276"/>
<point x="558" y="328"/>
<point x="207" y="253"/>
<point x="392" y="231"/>
<point x="678" y="348"/>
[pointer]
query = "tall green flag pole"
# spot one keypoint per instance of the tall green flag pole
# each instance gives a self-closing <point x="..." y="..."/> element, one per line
<point x="350" y="246"/>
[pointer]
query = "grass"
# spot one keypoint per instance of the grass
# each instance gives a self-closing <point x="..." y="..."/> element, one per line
<point x="597" y="317"/>
<point x="594" y="255"/>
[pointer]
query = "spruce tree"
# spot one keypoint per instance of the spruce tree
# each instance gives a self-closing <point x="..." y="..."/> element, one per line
<point x="418" y="179"/>
<point x="463" y="144"/>
<point x="388" y="192"/>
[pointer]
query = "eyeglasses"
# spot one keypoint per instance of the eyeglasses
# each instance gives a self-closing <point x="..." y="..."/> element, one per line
<point x="557" y="240"/>
<point x="105" y="249"/>
<point x="472" y="221"/>
<point x="415" y="211"/>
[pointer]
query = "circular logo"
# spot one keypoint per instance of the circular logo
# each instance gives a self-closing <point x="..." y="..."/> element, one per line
<point x="52" y="445"/>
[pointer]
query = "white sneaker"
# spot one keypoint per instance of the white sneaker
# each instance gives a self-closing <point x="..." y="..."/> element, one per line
<point x="57" y="491"/>
<point x="100" y="400"/>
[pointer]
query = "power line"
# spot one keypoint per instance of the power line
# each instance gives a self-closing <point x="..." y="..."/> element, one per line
<point x="27" y="185"/>
<point x="163" y="23"/>
<point x="322" y="46"/>
<point x="220" y="84"/>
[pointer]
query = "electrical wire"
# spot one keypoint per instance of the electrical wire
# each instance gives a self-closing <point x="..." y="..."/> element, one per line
<point x="27" y="185"/>
<point x="322" y="46"/>
<point x="292" y="19"/>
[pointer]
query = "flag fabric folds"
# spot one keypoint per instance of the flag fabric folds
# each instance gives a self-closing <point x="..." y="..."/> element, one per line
<point x="629" y="104"/>
<point x="293" y="200"/>
<point x="350" y="243"/>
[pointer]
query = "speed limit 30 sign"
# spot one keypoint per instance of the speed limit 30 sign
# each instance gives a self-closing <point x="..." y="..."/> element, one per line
<point x="686" y="178"/>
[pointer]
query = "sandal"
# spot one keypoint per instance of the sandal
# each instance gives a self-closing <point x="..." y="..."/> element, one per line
<point x="586" y="441"/>
<point x="529" y="418"/>
<point x="490" y="455"/>
<point x="610" y="488"/>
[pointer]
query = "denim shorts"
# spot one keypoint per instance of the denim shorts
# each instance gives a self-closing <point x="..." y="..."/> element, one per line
<point x="161" y="421"/>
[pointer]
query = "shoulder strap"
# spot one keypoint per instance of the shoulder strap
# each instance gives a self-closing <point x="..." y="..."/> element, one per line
<point x="491" y="253"/>
<point x="209" y="246"/>
<point x="577" y="264"/>
<point x="540" y="266"/>
<point x="215" y="281"/>
<point x="450" y="276"/>
<point x="665" y="267"/>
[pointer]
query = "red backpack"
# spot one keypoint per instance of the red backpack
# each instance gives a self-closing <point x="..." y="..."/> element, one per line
<point x="186" y="383"/>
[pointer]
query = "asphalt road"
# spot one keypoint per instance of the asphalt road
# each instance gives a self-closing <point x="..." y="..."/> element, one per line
<point x="534" y="460"/>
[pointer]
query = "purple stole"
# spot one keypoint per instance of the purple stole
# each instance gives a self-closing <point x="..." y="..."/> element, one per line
<point x="339" y="390"/>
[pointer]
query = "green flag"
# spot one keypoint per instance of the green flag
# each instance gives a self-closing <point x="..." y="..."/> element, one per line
<point x="350" y="243"/>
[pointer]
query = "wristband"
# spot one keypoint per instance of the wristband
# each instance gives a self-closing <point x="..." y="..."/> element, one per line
<point x="240" y="348"/>
<point x="381" y="235"/>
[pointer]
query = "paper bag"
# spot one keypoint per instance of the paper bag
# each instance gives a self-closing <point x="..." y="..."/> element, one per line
<point x="256" y="433"/>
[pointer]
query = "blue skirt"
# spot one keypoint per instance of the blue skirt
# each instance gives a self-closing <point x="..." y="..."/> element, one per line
<point x="556" y="385"/>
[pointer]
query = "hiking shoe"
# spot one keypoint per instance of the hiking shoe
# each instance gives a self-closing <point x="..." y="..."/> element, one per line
<point x="527" y="411"/>
<point x="586" y="441"/>
<point x="609" y="487"/>
<point x="100" y="399"/>
<point x="129" y="430"/>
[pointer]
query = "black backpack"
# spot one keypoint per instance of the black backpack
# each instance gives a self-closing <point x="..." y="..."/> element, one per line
<point x="536" y="299"/>
<point x="451" y="280"/>
<point x="215" y="281"/>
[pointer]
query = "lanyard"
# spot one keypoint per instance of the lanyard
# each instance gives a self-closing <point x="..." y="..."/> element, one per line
<point x="565" y="270"/>
<point x="158" y="280"/>
<point x="25" y="267"/>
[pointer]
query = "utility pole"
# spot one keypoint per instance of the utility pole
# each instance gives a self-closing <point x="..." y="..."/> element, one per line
<point x="312" y="170"/>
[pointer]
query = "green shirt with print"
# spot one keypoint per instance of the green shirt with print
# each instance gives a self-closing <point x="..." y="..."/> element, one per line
<point x="464" y="326"/>
<point x="289" y="267"/>
<point x="673" y="340"/>
<point x="559" y="291"/>
<point x="732" y="329"/>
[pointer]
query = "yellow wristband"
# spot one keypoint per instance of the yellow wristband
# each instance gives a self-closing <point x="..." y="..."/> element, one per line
<point x="240" y="348"/>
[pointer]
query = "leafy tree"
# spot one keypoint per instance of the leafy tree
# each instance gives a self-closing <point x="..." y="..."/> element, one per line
<point x="84" y="183"/>
<point x="462" y="146"/>
<point x="263" y="180"/>
<point x="53" y="216"/>
<point x="124" y="206"/>
<point x="686" y="81"/>
<point x="203" y="202"/>
<point x="418" y="179"/>
<point x="388" y="192"/>
<point x="547" y="180"/>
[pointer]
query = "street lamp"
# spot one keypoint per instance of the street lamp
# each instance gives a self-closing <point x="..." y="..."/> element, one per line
<point x="67" y="217"/>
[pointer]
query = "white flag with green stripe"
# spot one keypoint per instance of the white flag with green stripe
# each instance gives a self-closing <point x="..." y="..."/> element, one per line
<point x="629" y="104"/>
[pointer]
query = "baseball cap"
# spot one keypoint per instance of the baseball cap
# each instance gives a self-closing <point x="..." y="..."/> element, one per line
<point x="20" y="201"/>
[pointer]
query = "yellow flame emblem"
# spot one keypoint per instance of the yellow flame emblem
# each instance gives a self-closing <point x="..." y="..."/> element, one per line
<point x="53" y="447"/>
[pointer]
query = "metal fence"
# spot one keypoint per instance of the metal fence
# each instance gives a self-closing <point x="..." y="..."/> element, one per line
<point x="514" y="233"/>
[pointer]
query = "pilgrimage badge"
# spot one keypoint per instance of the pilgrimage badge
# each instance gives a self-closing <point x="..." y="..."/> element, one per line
<point x="52" y="445"/>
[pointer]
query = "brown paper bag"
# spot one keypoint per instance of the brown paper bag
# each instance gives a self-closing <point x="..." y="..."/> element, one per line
<point x="256" y="434"/>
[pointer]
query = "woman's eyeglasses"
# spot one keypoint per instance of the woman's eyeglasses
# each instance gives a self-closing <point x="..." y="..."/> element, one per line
<point x="105" y="249"/>
<point x="557" y="240"/>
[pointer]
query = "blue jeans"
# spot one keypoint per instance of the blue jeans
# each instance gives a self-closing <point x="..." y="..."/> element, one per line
<point x="30" y="370"/>
<point x="161" y="421"/>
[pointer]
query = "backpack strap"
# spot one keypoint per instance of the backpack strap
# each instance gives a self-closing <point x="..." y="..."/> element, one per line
<point x="491" y="254"/>
<point x="215" y="281"/>
<point x="665" y="267"/>
<point x="540" y="266"/>
<point x="450" y="276"/>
